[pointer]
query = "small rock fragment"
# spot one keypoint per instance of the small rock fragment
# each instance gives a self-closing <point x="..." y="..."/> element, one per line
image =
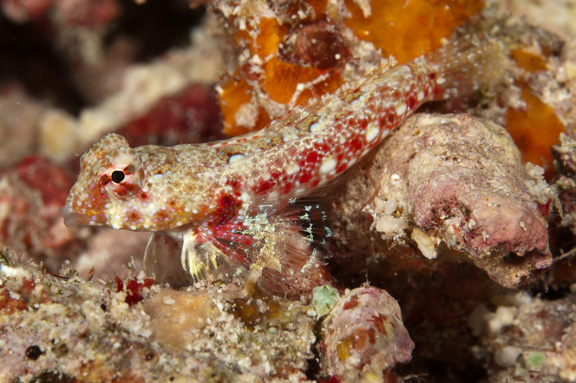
<point x="364" y="337"/>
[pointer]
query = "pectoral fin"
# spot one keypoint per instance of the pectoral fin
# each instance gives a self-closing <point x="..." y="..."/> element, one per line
<point x="162" y="261"/>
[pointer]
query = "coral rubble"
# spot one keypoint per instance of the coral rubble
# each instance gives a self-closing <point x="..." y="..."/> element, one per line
<point x="86" y="331"/>
<point x="529" y="339"/>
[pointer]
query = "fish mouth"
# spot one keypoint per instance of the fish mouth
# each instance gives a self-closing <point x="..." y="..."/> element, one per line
<point x="72" y="218"/>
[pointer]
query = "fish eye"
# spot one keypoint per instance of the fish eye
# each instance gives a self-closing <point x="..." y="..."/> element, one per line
<point x="117" y="176"/>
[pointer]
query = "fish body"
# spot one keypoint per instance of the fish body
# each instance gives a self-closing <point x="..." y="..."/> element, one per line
<point x="204" y="194"/>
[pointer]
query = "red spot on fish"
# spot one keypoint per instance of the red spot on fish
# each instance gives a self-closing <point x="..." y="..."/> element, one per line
<point x="104" y="179"/>
<point x="341" y="167"/>
<point x="264" y="187"/>
<point x="312" y="157"/>
<point x="134" y="216"/>
<point x="305" y="177"/>
<point x="287" y="188"/>
<point x="382" y="121"/>
<point x="228" y="206"/>
<point x="162" y="216"/>
<point x="356" y="144"/>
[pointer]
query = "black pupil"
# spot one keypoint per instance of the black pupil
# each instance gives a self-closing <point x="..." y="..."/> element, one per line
<point x="33" y="352"/>
<point x="118" y="176"/>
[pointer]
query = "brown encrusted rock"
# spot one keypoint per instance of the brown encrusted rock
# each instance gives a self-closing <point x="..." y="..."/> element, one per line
<point x="363" y="337"/>
<point x="453" y="185"/>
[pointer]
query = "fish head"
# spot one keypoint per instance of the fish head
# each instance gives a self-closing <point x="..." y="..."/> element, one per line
<point x="149" y="188"/>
